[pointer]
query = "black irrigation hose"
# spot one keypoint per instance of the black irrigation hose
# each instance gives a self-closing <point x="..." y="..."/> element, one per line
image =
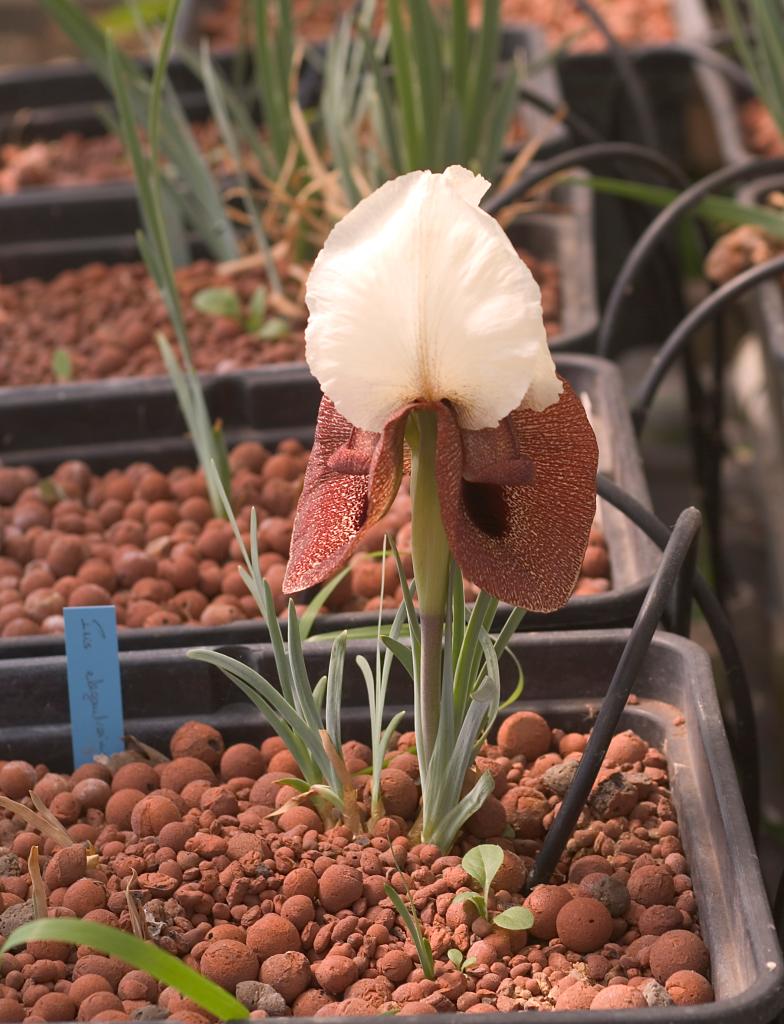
<point x="595" y="152"/>
<point x="743" y="731"/>
<point x="629" y="76"/>
<point x="660" y="591"/>
<point x="660" y="225"/>
<point x="702" y="313"/>
<point x="580" y="127"/>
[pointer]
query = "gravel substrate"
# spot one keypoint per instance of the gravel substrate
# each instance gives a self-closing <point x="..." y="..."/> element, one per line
<point x="146" y="542"/>
<point x="76" y="159"/>
<point x="292" y="916"/>
<point x="631" y="21"/>
<point x="106" y="317"/>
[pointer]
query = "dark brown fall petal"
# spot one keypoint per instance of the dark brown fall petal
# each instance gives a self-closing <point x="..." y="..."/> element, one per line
<point x="351" y="480"/>
<point x="518" y="501"/>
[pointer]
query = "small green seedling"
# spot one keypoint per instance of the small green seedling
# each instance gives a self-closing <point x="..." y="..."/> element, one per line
<point x="461" y="962"/>
<point x="224" y="301"/>
<point x="483" y="863"/>
<point x="62" y="365"/>
<point x="414" y="929"/>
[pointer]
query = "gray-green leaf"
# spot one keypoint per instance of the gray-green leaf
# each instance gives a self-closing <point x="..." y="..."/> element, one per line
<point x="516" y="919"/>
<point x="456" y="957"/>
<point x="257" y="309"/>
<point x="274" y="328"/>
<point x="218" y="302"/>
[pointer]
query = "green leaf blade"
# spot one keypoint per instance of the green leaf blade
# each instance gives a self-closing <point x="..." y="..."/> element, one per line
<point x="144" y="956"/>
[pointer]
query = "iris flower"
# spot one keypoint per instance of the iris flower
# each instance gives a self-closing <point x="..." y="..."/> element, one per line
<point x="427" y="337"/>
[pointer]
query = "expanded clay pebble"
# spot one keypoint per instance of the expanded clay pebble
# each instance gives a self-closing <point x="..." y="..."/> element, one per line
<point x="293" y="918"/>
<point x="147" y="542"/>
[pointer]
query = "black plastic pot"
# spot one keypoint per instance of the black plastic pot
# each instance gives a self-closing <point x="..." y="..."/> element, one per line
<point x="566" y="677"/>
<point x="281" y="403"/>
<point x="595" y="90"/>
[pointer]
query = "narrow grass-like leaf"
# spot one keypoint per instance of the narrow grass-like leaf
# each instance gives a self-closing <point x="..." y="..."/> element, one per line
<point x="449" y="826"/>
<point x="484" y="66"/>
<point x="406" y="87"/>
<point x="721" y="211"/>
<point x="402" y="652"/>
<point x="144" y="956"/>
<point x="414" y="929"/>
<point x="335" y="690"/>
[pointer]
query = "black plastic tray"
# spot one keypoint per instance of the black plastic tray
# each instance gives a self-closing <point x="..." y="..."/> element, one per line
<point x="280" y="403"/>
<point x="566" y="677"/>
<point x="33" y="246"/>
<point x="46" y="102"/>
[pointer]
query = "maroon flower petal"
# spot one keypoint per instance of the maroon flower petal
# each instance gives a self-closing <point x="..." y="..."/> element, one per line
<point x="351" y="480"/>
<point x="518" y="501"/>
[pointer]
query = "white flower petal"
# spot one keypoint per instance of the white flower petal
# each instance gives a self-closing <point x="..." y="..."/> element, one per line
<point x="419" y="295"/>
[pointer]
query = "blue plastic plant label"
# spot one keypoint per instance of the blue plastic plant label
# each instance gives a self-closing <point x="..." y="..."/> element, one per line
<point x="94" y="690"/>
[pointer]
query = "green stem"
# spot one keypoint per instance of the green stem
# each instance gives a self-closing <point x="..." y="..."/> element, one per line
<point x="430" y="555"/>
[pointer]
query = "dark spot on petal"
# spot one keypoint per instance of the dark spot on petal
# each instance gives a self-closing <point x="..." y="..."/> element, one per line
<point x="350" y="461"/>
<point x="486" y="507"/>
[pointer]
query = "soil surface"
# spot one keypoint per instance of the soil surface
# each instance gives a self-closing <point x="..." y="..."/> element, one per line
<point x="76" y="159"/>
<point x="105" y="319"/>
<point x="631" y="21"/>
<point x="146" y="542"/>
<point x="291" y="915"/>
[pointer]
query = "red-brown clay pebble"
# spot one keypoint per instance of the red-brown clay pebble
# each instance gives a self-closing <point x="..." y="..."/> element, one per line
<point x="272" y="934"/>
<point x="120" y="807"/>
<point x="687" y="988"/>
<point x="97" y="1003"/>
<point x="197" y="739"/>
<point x="399" y="793"/>
<point x="678" y="950"/>
<point x="625" y="748"/>
<point x="651" y="885"/>
<point x="339" y="887"/>
<point x="545" y="902"/>
<point x="584" y="925"/>
<point x="300" y="882"/>
<point x="577" y="997"/>
<point x="526" y="733"/>
<point x="11" y="1011"/>
<point x="618" y="997"/>
<point x="87" y="985"/>
<point x="241" y="760"/>
<point x="228" y="962"/>
<point x="151" y="814"/>
<point x="335" y="973"/>
<point x="178" y="773"/>
<point x="55" y="1006"/>
<point x="17" y="778"/>
<point x="136" y="775"/>
<point x="288" y="973"/>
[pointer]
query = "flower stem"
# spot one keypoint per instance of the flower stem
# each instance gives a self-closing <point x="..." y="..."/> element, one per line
<point x="430" y="556"/>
